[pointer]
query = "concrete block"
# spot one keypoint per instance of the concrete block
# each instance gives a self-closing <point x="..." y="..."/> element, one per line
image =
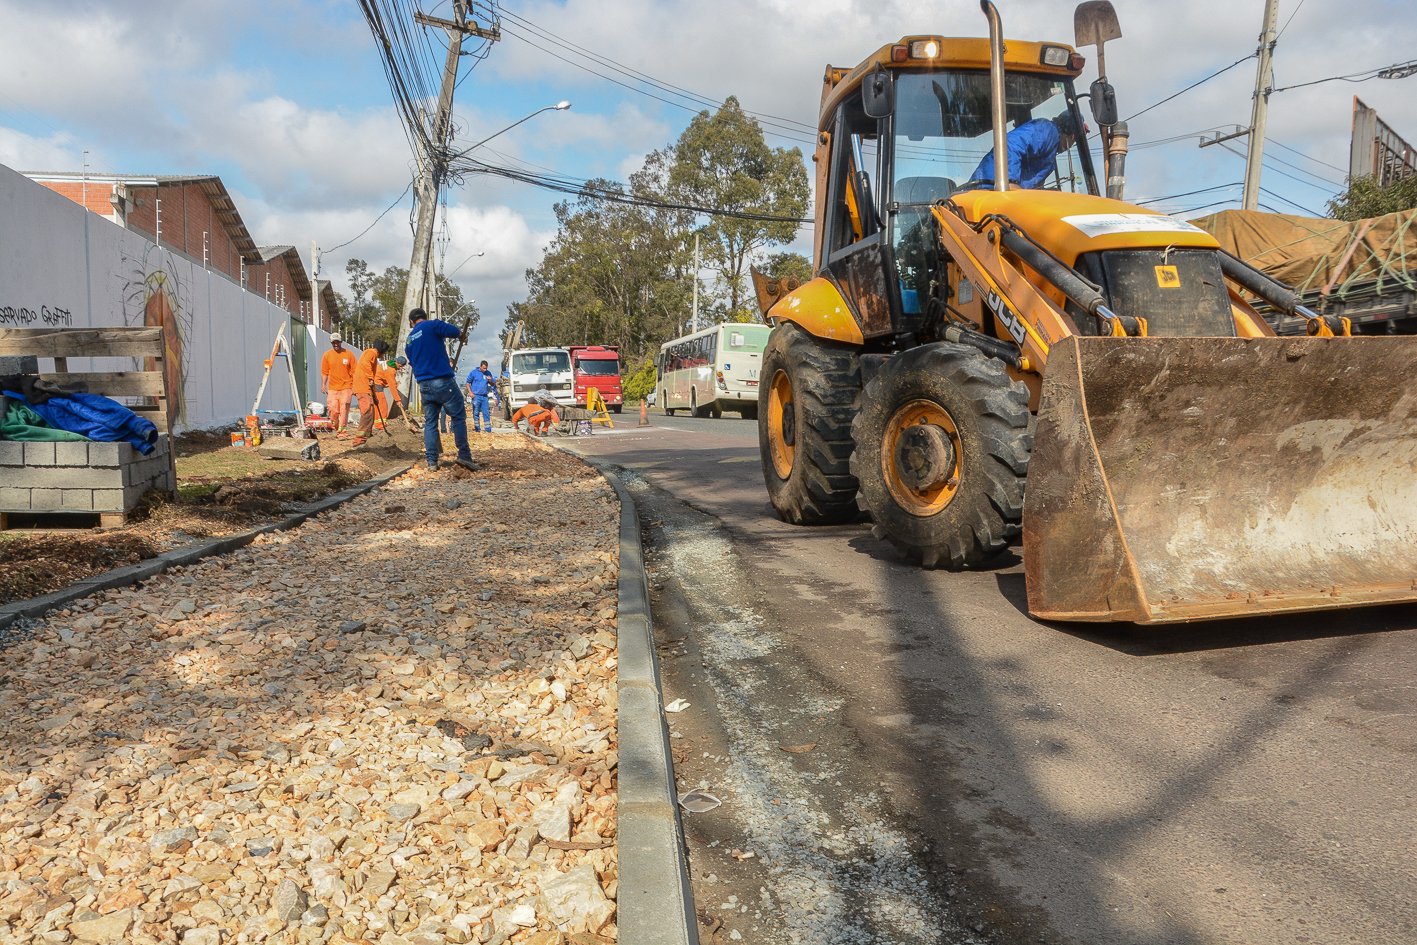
<point x="64" y="477"/>
<point x="71" y="454"/>
<point x="12" y="453"/>
<point x="78" y="500"/>
<point x="108" y="500"/>
<point x="644" y="767"/>
<point x="39" y="454"/>
<point x="14" y="500"/>
<point x="44" y="500"/>
<point x="19" y="364"/>
<point x="106" y="454"/>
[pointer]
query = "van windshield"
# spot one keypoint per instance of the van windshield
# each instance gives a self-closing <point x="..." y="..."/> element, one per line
<point x="541" y="362"/>
<point x="608" y="367"/>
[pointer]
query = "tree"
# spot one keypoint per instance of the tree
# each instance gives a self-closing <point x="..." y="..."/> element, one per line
<point x="1365" y="198"/>
<point x="376" y="310"/>
<point x="616" y="273"/>
<point x="722" y="161"/>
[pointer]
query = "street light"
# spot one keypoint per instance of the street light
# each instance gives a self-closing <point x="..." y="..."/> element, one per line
<point x="558" y="107"/>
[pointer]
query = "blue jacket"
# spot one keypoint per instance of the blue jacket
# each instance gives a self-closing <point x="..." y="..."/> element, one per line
<point x="479" y="380"/>
<point x="96" y="417"/>
<point x="427" y="354"/>
<point x="1033" y="152"/>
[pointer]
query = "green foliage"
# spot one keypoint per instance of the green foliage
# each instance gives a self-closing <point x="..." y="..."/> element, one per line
<point x="375" y="311"/>
<point x="1365" y="198"/>
<point x="636" y="386"/>
<point x="722" y="161"/>
<point x="622" y="273"/>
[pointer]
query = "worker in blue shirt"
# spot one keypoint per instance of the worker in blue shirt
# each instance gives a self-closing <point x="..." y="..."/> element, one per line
<point x="479" y="380"/>
<point x="428" y="357"/>
<point x="1033" y="150"/>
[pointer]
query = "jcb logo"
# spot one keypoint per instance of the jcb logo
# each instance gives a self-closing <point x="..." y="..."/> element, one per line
<point x="1006" y="315"/>
<point x="1167" y="277"/>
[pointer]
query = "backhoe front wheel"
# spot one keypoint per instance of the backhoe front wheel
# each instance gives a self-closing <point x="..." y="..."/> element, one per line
<point x="942" y="447"/>
<point x="807" y="396"/>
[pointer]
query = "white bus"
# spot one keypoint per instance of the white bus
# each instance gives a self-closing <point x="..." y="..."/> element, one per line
<point x="712" y="370"/>
<point x="530" y="369"/>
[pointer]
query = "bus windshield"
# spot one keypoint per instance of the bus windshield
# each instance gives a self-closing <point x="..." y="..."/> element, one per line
<point x="747" y="338"/>
<point x="541" y="362"/>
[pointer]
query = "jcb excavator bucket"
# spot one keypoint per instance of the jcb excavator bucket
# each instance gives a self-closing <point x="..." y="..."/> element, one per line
<point x="1177" y="479"/>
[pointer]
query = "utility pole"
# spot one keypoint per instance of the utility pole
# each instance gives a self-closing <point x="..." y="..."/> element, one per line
<point x="1264" y="84"/>
<point x="315" y="286"/>
<point x="433" y="164"/>
<point x="695" y="323"/>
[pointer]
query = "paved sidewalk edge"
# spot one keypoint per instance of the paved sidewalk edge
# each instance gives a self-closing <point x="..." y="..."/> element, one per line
<point x="134" y="573"/>
<point x="655" y="902"/>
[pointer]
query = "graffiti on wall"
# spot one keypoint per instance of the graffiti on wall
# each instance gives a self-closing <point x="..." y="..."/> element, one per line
<point x="154" y="296"/>
<point x="46" y="316"/>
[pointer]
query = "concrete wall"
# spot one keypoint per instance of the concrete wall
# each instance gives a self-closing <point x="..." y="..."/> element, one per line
<point x="62" y="266"/>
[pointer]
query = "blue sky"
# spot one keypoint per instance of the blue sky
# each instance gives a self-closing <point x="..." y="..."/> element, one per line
<point x="288" y="103"/>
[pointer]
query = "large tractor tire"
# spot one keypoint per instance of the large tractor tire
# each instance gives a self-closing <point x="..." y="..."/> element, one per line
<point x="942" y="448"/>
<point x="807" y="397"/>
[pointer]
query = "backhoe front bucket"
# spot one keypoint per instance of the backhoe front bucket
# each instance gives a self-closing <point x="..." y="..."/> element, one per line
<point x="1177" y="479"/>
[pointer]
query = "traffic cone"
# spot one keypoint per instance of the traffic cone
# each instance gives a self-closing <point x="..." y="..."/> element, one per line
<point x="644" y="413"/>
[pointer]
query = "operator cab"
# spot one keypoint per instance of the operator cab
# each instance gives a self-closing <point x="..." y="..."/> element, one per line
<point x="918" y="131"/>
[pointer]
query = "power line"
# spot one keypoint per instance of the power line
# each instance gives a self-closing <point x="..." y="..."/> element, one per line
<point x="1341" y="170"/>
<point x="1189" y="193"/>
<point x="371" y="226"/>
<point x="1400" y="70"/>
<point x="1299" y="6"/>
<point x="589" y="190"/>
<point x="1193" y="85"/>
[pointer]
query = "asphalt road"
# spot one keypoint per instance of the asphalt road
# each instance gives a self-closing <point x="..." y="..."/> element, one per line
<point x="906" y="756"/>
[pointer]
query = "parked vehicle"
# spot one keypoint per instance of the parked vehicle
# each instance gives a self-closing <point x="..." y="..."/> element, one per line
<point x="596" y="366"/>
<point x="712" y="370"/>
<point x="530" y="370"/>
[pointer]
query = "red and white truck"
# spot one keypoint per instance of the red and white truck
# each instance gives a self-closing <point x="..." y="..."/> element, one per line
<point x="596" y="366"/>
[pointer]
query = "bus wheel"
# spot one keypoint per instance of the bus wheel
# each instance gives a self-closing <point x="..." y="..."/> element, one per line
<point x="695" y="409"/>
<point x="748" y="411"/>
<point x="807" y="399"/>
<point x="664" y="404"/>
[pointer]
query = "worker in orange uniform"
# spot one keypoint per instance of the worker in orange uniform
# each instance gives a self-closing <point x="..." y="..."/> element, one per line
<point x="366" y="372"/>
<point x="387" y="382"/>
<point x="537" y="417"/>
<point x="337" y="382"/>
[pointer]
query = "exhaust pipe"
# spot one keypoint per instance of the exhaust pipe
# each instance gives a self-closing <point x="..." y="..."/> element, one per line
<point x="1117" y="160"/>
<point x="996" y="94"/>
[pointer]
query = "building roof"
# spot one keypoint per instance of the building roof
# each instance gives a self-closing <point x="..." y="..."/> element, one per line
<point x="293" y="264"/>
<point x="329" y="300"/>
<point x="211" y="185"/>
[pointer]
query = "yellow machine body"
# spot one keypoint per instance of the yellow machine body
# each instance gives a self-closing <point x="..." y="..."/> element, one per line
<point x="1181" y="469"/>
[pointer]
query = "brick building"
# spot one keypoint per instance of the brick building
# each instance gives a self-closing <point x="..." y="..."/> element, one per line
<point x="194" y="215"/>
<point x="188" y="214"/>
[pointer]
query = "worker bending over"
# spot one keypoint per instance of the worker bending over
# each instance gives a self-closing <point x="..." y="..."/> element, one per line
<point x="537" y="417"/>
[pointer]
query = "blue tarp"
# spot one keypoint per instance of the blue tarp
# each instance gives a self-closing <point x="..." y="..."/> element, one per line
<point x="96" y="417"/>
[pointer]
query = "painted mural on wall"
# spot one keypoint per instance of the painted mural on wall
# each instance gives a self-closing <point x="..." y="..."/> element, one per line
<point x="154" y="296"/>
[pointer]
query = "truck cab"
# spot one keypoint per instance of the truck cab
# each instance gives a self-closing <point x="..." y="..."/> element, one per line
<point x="597" y="366"/>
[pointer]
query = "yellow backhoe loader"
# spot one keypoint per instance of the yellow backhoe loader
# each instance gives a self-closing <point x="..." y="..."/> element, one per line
<point x="991" y="348"/>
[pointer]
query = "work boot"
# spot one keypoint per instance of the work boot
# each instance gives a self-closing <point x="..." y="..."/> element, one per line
<point x="433" y="466"/>
<point x="359" y="441"/>
<point x="468" y="464"/>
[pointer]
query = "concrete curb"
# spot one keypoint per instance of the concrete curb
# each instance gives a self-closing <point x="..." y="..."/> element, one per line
<point x="655" y="901"/>
<point x="133" y="573"/>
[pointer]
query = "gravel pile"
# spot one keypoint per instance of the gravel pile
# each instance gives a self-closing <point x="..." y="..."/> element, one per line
<point x="394" y="725"/>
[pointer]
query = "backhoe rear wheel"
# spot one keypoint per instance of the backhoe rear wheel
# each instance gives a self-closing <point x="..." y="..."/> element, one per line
<point x="942" y="447"/>
<point x="807" y="396"/>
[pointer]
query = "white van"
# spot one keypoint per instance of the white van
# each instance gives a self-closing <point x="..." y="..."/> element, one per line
<point x="531" y="369"/>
